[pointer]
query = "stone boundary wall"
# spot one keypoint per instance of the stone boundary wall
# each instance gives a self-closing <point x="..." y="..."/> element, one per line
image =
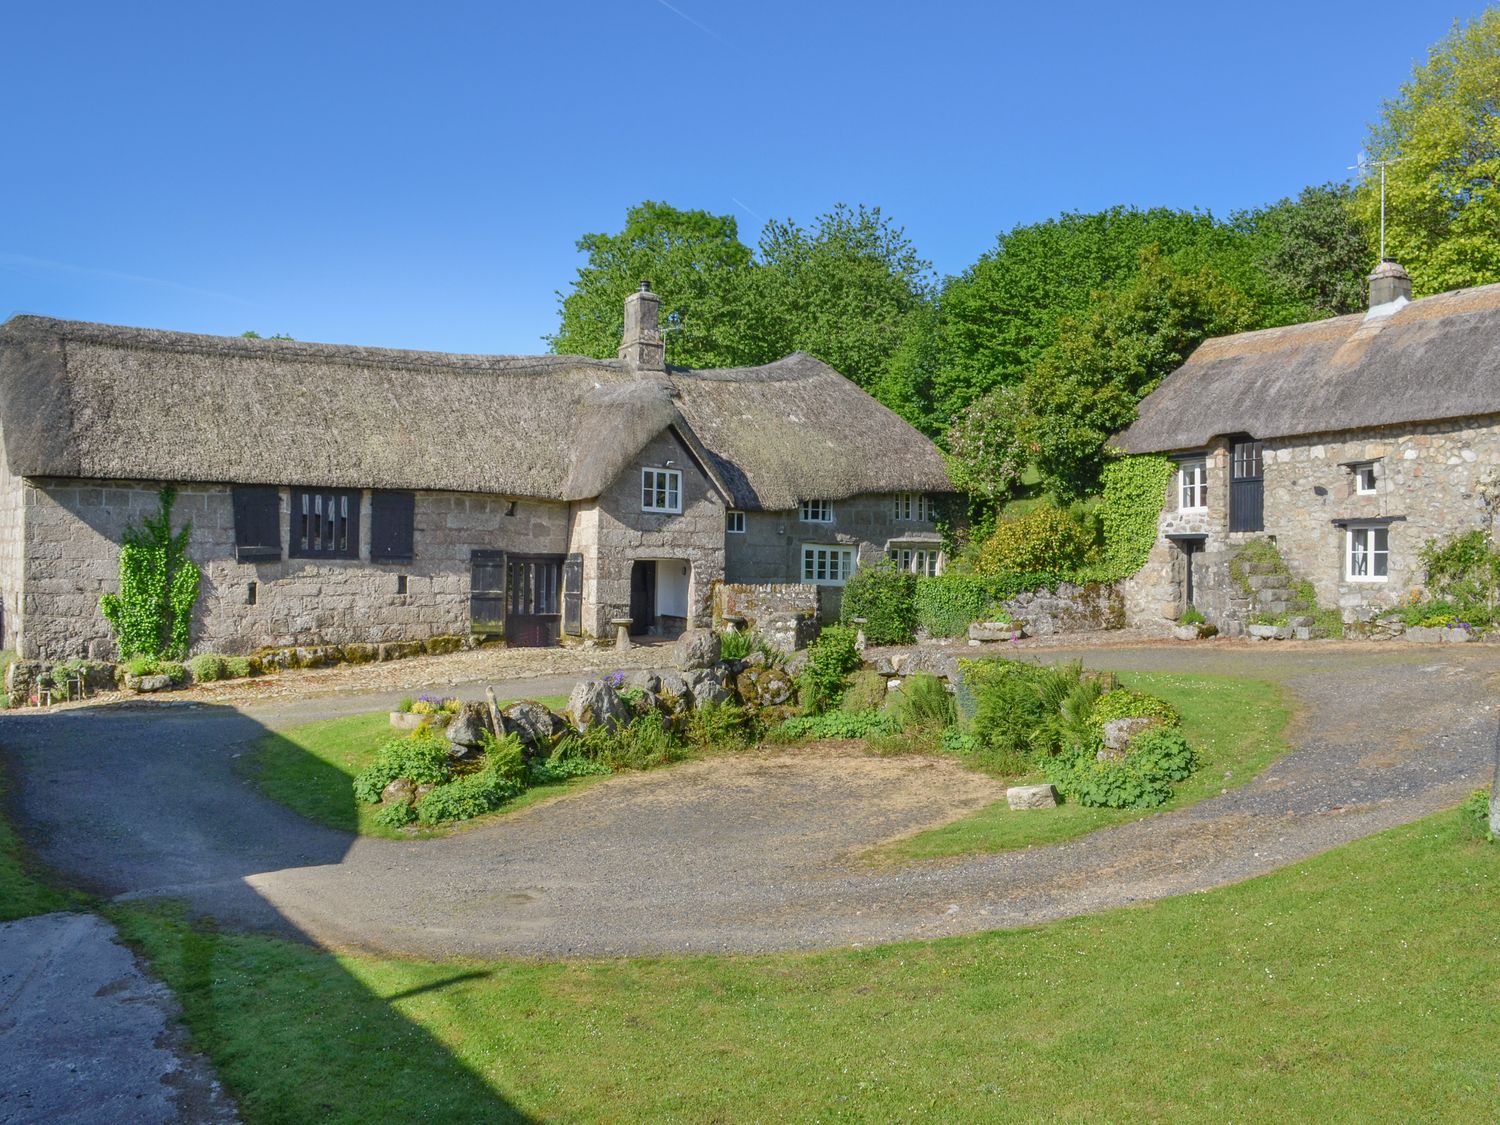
<point x="1069" y="609"/>
<point x="784" y="613"/>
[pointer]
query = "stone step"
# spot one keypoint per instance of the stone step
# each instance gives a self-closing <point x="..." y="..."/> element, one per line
<point x="1253" y="569"/>
<point x="1267" y="582"/>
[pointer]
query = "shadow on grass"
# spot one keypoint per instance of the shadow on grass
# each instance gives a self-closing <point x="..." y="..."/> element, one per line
<point x="142" y="806"/>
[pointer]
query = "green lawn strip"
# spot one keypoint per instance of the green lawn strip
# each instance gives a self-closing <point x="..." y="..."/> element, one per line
<point x="24" y="887"/>
<point x="1235" y="725"/>
<point x="311" y="770"/>
<point x="1360" y="985"/>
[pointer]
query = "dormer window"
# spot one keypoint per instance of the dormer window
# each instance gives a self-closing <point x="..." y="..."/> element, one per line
<point x="912" y="507"/>
<point x="661" y="491"/>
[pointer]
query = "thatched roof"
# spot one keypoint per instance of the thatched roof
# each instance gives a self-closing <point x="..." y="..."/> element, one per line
<point x="1433" y="360"/>
<point x="100" y="402"/>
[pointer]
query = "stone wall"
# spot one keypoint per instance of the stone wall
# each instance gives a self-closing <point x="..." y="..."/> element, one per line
<point x="12" y="554"/>
<point x="1069" y="609"/>
<point x="73" y="531"/>
<point x="770" y="549"/>
<point x="784" y="613"/>
<point x="613" y="533"/>
<point x="1431" y="482"/>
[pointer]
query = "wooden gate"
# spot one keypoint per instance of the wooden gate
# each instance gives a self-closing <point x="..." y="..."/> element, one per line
<point x="1247" y="488"/>
<point x="533" y="600"/>
<point x="487" y="592"/>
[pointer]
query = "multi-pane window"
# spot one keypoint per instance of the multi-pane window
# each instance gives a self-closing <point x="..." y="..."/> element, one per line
<point x="1369" y="554"/>
<point x="661" y="490"/>
<point x="325" y="523"/>
<point x="917" y="560"/>
<point x="734" y="522"/>
<point x="827" y="566"/>
<point x="1364" y="479"/>
<point x="1192" y="485"/>
<point x="817" y="511"/>
<point x="913" y="506"/>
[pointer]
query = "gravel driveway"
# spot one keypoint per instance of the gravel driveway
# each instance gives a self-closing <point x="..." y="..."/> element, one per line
<point x="743" y="853"/>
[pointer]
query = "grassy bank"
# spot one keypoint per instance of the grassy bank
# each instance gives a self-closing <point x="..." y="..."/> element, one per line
<point x="1356" y="986"/>
<point x="311" y="769"/>
<point x="1235" y="725"/>
<point x="24" y="887"/>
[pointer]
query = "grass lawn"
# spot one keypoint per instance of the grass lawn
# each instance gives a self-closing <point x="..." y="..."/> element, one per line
<point x="23" y="890"/>
<point x="1362" y="985"/>
<point x="1235" y="725"/>
<point x="311" y="770"/>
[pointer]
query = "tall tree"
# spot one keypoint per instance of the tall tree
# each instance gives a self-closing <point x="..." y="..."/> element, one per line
<point x="693" y="260"/>
<point x="846" y="291"/>
<point x="1443" y="199"/>
<point x="1313" y="249"/>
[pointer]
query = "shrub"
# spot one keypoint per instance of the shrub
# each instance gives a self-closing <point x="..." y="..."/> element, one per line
<point x="423" y="758"/>
<point x="1008" y="709"/>
<point x="405" y="705"/>
<point x="866" y="693"/>
<point x="947" y="604"/>
<point x="837" y="724"/>
<point x="1475" y="814"/>
<point x="1123" y="703"/>
<point x="142" y="666"/>
<point x="923" y="703"/>
<point x="466" y="797"/>
<point x="174" y="671"/>
<point x="734" y="644"/>
<point x="1140" y="780"/>
<point x="830" y="659"/>
<point x="1044" y="539"/>
<point x="398" y="814"/>
<point x="238" y="667"/>
<point x="207" y="667"/>
<point x="561" y="768"/>
<point x="720" y="725"/>
<point x="886" y="599"/>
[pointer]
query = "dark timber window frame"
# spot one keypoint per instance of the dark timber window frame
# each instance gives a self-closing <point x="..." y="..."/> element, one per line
<point x="324" y="523"/>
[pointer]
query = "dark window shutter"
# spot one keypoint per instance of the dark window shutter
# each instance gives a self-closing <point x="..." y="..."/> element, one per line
<point x="391" y="526"/>
<point x="257" y="523"/>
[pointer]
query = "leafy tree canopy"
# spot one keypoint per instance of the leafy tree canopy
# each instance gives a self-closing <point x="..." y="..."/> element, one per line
<point x="1313" y="249"/>
<point x="1442" y="202"/>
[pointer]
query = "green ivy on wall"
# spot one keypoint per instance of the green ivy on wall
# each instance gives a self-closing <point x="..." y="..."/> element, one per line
<point x="153" y="612"/>
<point x="1135" y="490"/>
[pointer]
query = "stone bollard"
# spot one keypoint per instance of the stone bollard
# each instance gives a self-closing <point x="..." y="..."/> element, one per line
<point x="621" y="627"/>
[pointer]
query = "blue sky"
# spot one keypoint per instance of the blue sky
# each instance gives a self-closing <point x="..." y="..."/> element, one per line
<point x="416" y="176"/>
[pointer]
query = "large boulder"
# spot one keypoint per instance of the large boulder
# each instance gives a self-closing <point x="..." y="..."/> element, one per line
<point x="706" y="689"/>
<point x="1031" y="797"/>
<point x="1120" y="733"/>
<point x="770" y="687"/>
<point x="466" y="730"/>
<point x="642" y="680"/>
<point x="401" y="791"/>
<point x="538" y="728"/>
<point x="696" y="648"/>
<point x="596" y="703"/>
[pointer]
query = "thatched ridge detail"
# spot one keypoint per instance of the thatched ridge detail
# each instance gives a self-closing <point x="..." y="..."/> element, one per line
<point x="104" y="402"/>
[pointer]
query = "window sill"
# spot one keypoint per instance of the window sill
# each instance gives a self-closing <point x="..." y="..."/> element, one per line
<point x="1369" y="581"/>
<point x="661" y="511"/>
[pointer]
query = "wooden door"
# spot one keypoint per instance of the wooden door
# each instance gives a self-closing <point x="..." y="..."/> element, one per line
<point x="1247" y="488"/>
<point x="533" y="600"/>
<point x="573" y="595"/>
<point x="642" y="596"/>
<point x="487" y="592"/>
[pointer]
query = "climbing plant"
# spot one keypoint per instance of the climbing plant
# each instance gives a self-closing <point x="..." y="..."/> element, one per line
<point x="1135" y="489"/>
<point x="153" y="611"/>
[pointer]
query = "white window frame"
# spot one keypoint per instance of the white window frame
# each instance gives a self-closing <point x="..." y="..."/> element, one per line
<point x="918" y="559"/>
<point x="912" y="507"/>
<point x="663" y="489"/>
<point x="1364" y="471"/>
<point x="734" y="522"/>
<point x="1364" y="559"/>
<point x="828" y="564"/>
<point x="816" y="511"/>
<point x="1192" y="485"/>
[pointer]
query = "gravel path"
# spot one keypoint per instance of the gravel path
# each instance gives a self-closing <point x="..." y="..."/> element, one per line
<point x="744" y="853"/>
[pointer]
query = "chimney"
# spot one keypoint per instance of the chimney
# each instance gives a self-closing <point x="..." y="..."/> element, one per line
<point x="1389" y="283"/>
<point x="641" y="346"/>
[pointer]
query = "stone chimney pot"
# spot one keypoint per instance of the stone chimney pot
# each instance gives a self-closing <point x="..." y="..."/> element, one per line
<point x="1389" y="283"/>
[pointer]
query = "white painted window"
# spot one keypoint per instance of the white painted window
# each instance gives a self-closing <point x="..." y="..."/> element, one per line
<point x="734" y="522"/>
<point x="1192" y="486"/>
<point x="661" y="490"/>
<point x="918" y="560"/>
<point x="1369" y="554"/>
<point x="1364" y="479"/>
<point x="827" y="566"/>
<point x="912" y="506"/>
<point x="817" y="511"/>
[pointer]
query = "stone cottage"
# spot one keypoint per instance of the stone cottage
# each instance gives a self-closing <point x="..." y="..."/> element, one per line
<point x="1348" y="442"/>
<point x="345" y="495"/>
